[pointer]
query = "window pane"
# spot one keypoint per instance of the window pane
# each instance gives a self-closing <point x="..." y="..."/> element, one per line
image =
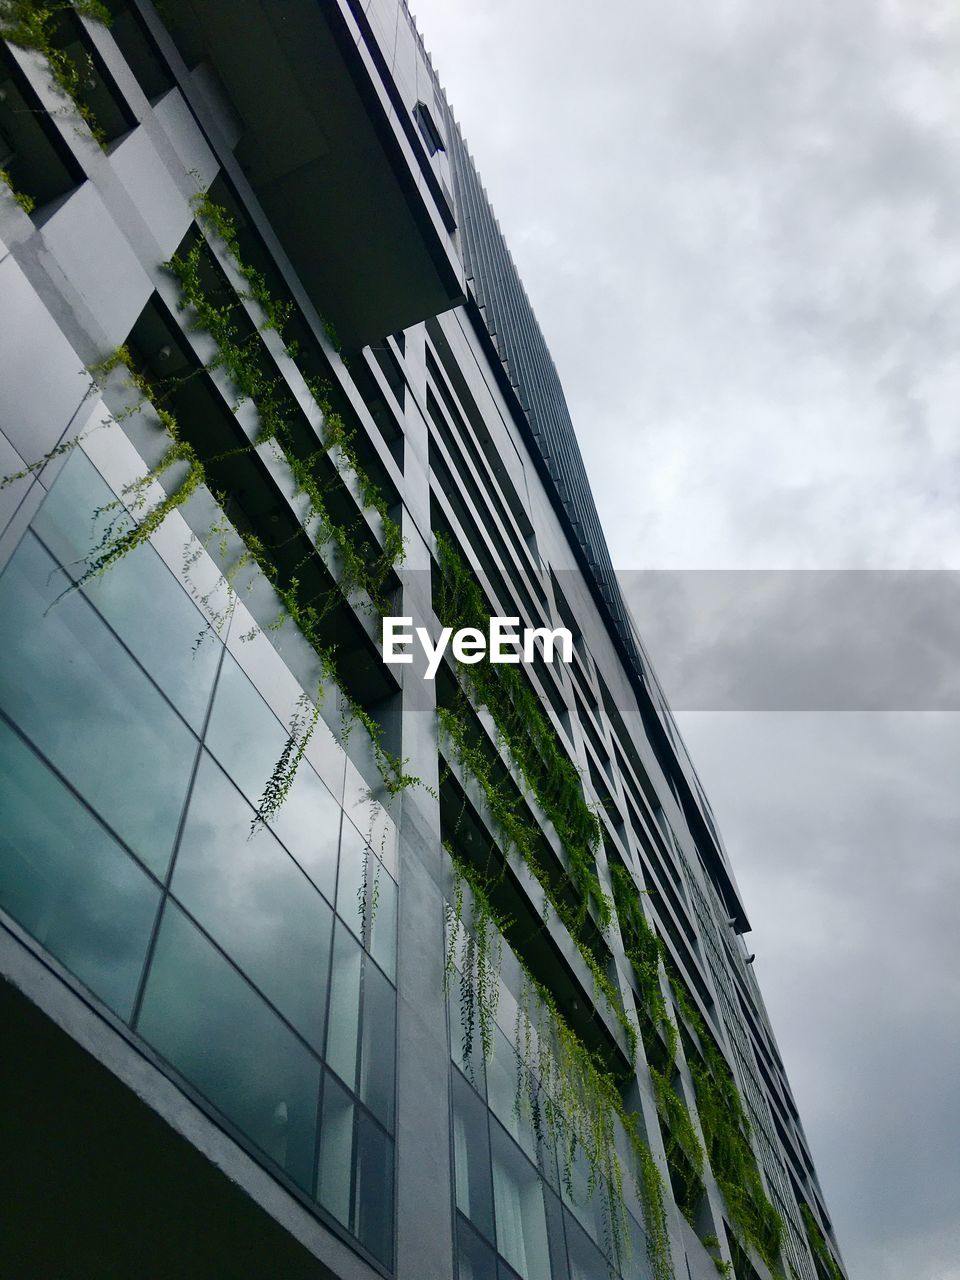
<point x="344" y="1017"/>
<point x="589" y="1208"/>
<point x="555" y="1234"/>
<point x="350" y="883"/>
<point x="248" y="739"/>
<point x="374" y="1191"/>
<point x="68" y="883"/>
<point x="502" y="1075"/>
<point x="201" y="1015"/>
<point x="336" y="1150"/>
<point x="138" y="596"/>
<point x="475" y="1260"/>
<point x="253" y="899"/>
<point x="473" y="1068"/>
<point x="586" y="1260"/>
<point x="379" y="1043"/>
<point x="518" y="1203"/>
<point x="383" y="926"/>
<point x="471" y="1156"/>
<point x="75" y="691"/>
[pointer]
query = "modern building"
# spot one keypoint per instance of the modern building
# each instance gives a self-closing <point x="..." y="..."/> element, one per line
<point x="313" y="967"/>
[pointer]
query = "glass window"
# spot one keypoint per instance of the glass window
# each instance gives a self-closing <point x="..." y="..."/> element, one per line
<point x="73" y="690"/>
<point x="383" y="924"/>
<point x="475" y="1260"/>
<point x="336" y="1150"/>
<point x="471" y="1156"/>
<point x="555" y="1234"/>
<point x="502" y="1076"/>
<point x="473" y="1068"/>
<point x="343" y="1022"/>
<point x="248" y="739"/>
<point x="635" y="1251"/>
<point x="586" y="1260"/>
<point x="353" y="894"/>
<point x="586" y="1204"/>
<point x="519" y="1208"/>
<point x="374" y="1189"/>
<point x="210" y="1024"/>
<point x="139" y="596"/>
<point x="367" y="897"/>
<point x="379" y="1043"/>
<point x="254" y="901"/>
<point x="68" y="883"/>
<point x="502" y="1095"/>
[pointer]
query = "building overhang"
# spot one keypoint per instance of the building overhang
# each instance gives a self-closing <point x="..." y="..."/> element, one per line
<point x="334" y="163"/>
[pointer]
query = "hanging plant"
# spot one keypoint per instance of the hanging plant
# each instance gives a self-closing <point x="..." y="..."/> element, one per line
<point x="32" y="24"/>
<point x="569" y="1095"/>
<point x="26" y="203"/>
<point x="818" y="1245"/>
<point x="726" y="1132"/>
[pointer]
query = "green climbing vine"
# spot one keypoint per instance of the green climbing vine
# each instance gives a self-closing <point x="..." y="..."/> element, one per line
<point x="518" y="832"/>
<point x="26" y="203"/>
<point x="547" y="774"/>
<point x="479" y="958"/>
<point x="726" y="1132"/>
<point x="136" y="515"/>
<point x="364" y="567"/>
<point x="565" y="1090"/>
<point x="546" y="769"/>
<point x="723" y="1267"/>
<point x="661" y="1040"/>
<point x="303" y="722"/>
<point x="32" y="24"/>
<point x="818" y="1245"/>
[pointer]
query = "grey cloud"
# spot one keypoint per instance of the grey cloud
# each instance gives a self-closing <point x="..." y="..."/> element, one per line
<point x="843" y="832"/>
<point x="736" y="222"/>
<point x="807" y="640"/>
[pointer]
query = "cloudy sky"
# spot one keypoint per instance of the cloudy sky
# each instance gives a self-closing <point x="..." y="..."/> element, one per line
<point x="736" y="220"/>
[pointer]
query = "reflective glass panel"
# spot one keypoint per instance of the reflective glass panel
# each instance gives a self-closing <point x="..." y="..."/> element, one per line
<point x="587" y="1207"/>
<point x="343" y="1022"/>
<point x="471" y="1156"/>
<point x="374" y="1189"/>
<point x="475" y="1260"/>
<point x="358" y="867"/>
<point x="519" y="1208"/>
<point x="334" y="1175"/>
<point x="76" y="692"/>
<point x="68" y="883"/>
<point x="248" y="740"/>
<point x="473" y="1067"/>
<point x="383" y="924"/>
<point x="379" y="1043"/>
<point x="210" y="1024"/>
<point x="254" y="900"/>
<point x="138" y="595"/>
<point x="586" y="1260"/>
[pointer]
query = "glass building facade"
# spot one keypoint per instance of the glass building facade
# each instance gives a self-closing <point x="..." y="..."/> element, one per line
<point x="236" y="969"/>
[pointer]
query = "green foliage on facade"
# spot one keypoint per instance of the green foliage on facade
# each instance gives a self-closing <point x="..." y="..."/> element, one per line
<point x="26" y="203"/>
<point x="726" y="1132"/>
<point x="546" y="769"/>
<point x="31" y="24"/>
<point x="818" y="1245"/>
<point x="726" y="1129"/>
<point x="566" y="1091"/>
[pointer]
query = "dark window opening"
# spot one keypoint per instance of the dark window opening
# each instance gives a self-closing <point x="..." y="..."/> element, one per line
<point x="429" y="131"/>
<point x="36" y="160"/>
